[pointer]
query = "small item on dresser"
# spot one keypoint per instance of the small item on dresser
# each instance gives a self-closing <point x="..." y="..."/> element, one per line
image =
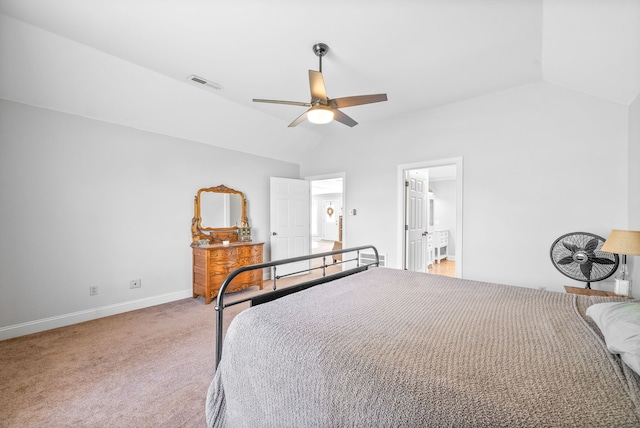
<point x="201" y="242"/>
<point x="622" y="287"/>
<point x="245" y="234"/>
<point x="225" y="243"/>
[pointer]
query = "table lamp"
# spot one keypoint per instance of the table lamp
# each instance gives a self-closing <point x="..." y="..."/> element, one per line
<point x="623" y="242"/>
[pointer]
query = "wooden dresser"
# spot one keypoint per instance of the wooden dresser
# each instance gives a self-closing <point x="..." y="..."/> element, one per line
<point x="212" y="264"/>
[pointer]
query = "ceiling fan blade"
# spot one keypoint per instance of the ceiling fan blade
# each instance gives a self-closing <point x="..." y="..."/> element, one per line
<point x="343" y="118"/>
<point x="299" y="120"/>
<point x="291" y="103"/>
<point x="357" y="100"/>
<point x="316" y="84"/>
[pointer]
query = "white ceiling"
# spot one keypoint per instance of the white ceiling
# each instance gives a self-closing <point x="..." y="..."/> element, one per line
<point x="423" y="54"/>
<point x="326" y="186"/>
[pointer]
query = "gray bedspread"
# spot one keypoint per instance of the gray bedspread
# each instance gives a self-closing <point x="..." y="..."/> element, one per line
<point x="392" y="348"/>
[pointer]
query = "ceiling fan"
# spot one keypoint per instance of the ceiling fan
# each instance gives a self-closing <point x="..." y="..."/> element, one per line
<point x="323" y="109"/>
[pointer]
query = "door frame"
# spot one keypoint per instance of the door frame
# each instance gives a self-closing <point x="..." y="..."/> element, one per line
<point x="343" y="176"/>
<point x="400" y="243"/>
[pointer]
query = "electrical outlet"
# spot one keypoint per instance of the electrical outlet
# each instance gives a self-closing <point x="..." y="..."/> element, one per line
<point x="93" y="290"/>
<point x="135" y="283"/>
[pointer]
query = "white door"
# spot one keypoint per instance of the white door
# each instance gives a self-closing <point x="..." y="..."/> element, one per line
<point x="416" y="186"/>
<point x="331" y="214"/>
<point x="290" y="223"/>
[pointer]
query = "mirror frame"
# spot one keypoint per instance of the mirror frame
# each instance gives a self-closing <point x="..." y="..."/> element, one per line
<point x="216" y="234"/>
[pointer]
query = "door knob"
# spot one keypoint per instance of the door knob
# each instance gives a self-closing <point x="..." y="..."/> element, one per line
<point x="425" y="233"/>
<point x="274" y="233"/>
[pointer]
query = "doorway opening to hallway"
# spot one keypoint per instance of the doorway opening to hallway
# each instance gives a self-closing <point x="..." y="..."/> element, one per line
<point x="430" y="209"/>
<point x="327" y="217"/>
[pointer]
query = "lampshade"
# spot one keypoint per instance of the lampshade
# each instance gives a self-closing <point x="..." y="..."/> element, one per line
<point x="623" y="242"/>
<point x="320" y="115"/>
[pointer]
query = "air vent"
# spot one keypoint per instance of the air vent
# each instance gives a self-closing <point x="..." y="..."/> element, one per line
<point x="205" y="82"/>
<point x="366" y="258"/>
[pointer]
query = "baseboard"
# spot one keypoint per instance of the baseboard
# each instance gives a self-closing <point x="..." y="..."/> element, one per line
<point x="89" y="314"/>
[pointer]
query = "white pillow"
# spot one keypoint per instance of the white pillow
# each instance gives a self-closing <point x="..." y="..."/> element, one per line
<point x="619" y="323"/>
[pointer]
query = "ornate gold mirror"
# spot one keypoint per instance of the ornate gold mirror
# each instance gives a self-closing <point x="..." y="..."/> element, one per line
<point x="219" y="214"/>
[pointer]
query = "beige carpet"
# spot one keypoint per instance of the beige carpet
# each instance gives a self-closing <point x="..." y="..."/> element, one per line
<point x="144" y="368"/>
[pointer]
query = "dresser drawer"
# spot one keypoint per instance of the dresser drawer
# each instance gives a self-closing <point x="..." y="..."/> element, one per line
<point x="246" y="279"/>
<point x="213" y="263"/>
<point x="441" y="238"/>
<point x="221" y="269"/>
<point x="223" y="254"/>
<point x="250" y="251"/>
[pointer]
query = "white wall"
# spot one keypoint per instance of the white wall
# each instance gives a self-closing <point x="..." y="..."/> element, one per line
<point x="444" y="195"/>
<point x="43" y="69"/>
<point x="539" y="161"/>
<point x="88" y="203"/>
<point x="634" y="187"/>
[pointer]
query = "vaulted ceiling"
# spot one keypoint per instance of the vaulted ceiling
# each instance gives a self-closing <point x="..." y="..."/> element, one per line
<point x="423" y="54"/>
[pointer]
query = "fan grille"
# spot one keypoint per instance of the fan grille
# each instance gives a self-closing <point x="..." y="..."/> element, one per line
<point x="578" y="255"/>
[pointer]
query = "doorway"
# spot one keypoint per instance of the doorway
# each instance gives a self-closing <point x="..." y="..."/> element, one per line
<point x="327" y="213"/>
<point x="430" y="213"/>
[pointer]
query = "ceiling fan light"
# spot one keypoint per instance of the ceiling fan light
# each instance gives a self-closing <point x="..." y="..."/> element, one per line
<point x="320" y="115"/>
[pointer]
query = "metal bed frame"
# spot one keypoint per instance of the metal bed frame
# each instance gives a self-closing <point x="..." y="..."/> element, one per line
<point x="276" y="294"/>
